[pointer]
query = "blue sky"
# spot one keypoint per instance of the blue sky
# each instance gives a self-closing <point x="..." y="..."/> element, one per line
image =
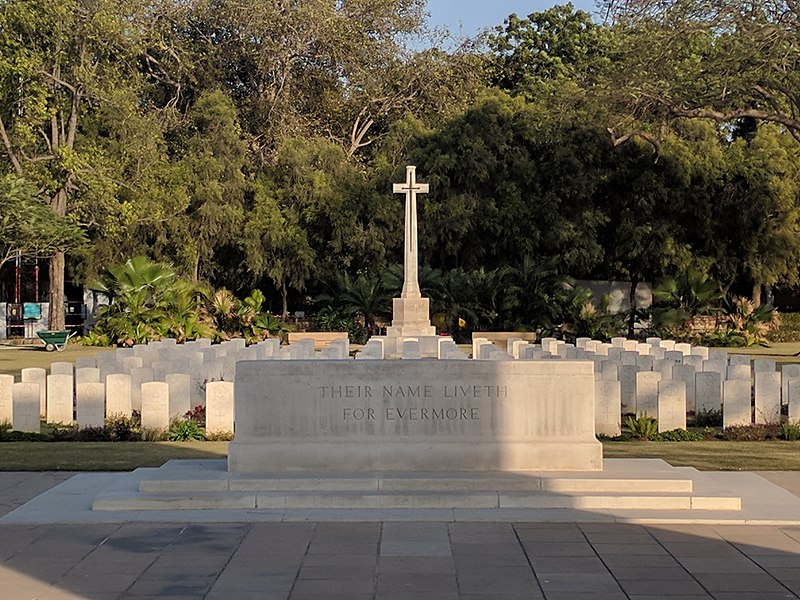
<point x="467" y="17"/>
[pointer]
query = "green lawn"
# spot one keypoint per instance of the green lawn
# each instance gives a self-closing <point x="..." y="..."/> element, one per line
<point x="126" y="456"/>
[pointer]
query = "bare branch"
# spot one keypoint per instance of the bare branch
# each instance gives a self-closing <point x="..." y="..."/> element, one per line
<point x="618" y="141"/>
<point x="10" y="150"/>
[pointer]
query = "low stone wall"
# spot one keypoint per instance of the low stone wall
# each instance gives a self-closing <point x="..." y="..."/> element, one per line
<point x="320" y="338"/>
<point x="414" y="415"/>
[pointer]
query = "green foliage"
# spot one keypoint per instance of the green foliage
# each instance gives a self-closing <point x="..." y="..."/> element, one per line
<point x="751" y="433"/>
<point x="790" y="431"/>
<point x="751" y="323"/>
<point x="708" y="418"/>
<point x="678" y="300"/>
<point x="643" y="428"/>
<point x="185" y="430"/>
<point x="679" y="435"/>
<point x="788" y="330"/>
<point x="331" y="319"/>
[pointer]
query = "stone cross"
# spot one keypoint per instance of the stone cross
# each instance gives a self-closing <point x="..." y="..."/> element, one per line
<point x="410" y="271"/>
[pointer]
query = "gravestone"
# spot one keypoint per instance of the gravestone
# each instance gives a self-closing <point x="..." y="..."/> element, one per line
<point x="129" y="363"/>
<point x="788" y="373"/>
<point x="39" y="376"/>
<point x="686" y="374"/>
<point x="118" y="395"/>
<point x="630" y="345"/>
<point x="647" y="394"/>
<point x="667" y="345"/>
<point x="671" y="405"/>
<point x="139" y="376"/>
<point x="6" y="398"/>
<point x="629" y="357"/>
<point x="663" y="366"/>
<point x="768" y="397"/>
<point x="90" y="400"/>
<point x="609" y="370"/>
<point x="87" y="375"/>
<point x="736" y="405"/>
<point x="741" y="372"/>
<point x="644" y="349"/>
<point x="739" y="359"/>
<point x="645" y="363"/>
<point x="686" y="349"/>
<point x="83" y="362"/>
<point x="618" y="342"/>
<point x="763" y="365"/>
<point x="155" y="405"/>
<point x="60" y="399"/>
<point x="627" y="382"/>
<point x="794" y="399"/>
<point x="180" y="397"/>
<point x="675" y="356"/>
<point x="701" y="351"/>
<point x="61" y="368"/>
<point x="708" y="391"/>
<point x="26" y="401"/>
<point x="718" y="354"/>
<point x="607" y="408"/>
<point x="220" y="407"/>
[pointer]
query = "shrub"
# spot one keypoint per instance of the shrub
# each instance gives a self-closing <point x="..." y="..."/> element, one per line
<point x="25" y="436"/>
<point x="787" y="331"/>
<point x="197" y="414"/>
<point x="751" y="433"/>
<point x="185" y="430"/>
<point x="679" y="435"/>
<point x="221" y="436"/>
<point x="790" y="431"/>
<point x="708" y="418"/>
<point x="643" y="428"/>
<point x="120" y="428"/>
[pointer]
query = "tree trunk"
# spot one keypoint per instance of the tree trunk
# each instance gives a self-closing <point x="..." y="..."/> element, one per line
<point x="56" y="297"/>
<point x="285" y="294"/>
<point x="632" y="298"/>
<point x="757" y="294"/>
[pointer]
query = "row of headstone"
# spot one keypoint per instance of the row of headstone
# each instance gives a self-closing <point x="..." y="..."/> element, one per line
<point x="162" y="380"/>
<point x="665" y="380"/>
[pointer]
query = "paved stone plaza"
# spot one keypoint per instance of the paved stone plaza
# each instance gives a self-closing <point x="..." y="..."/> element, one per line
<point x="390" y="560"/>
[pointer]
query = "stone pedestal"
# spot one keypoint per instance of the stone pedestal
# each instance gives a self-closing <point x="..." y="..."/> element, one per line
<point x="410" y="318"/>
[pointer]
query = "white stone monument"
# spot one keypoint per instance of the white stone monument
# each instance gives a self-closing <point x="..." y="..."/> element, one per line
<point x="410" y="312"/>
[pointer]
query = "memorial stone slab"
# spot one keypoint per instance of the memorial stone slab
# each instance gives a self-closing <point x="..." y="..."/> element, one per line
<point x="618" y="342"/>
<point x="693" y="360"/>
<point x="220" y="407"/>
<point x="763" y="365"/>
<point x="581" y="342"/>
<point x="788" y="373"/>
<point x="676" y="356"/>
<point x="60" y="399"/>
<point x="155" y="405"/>
<point x="180" y="397"/>
<point x="118" y="394"/>
<point x="645" y="363"/>
<point x="608" y="408"/>
<point x="87" y="375"/>
<point x="664" y="367"/>
<point x="62" y="368"/>
<point x="129" y="363"/>
<point x="736" y="403"/>
<point x="167" y="342"/>
<point x="739" y="359"/>
<point x="686" y="349"/>
<point x="139" y="376"/>
<point x="609" y="370"/>
<point x="591" y="346"/>
<point x="602" y="349"/>
<point x="644" y="349"/>
<point x="516" y="347"/>
<point x="647" y="394"/>
<point x="768" y="397"/>
<point x="671" y="405"/>
<point x="6" y="398"/>
<point x="718" y="354"/>
<point x="411" y="350"/>
<point x="701" y="351"/>
<point x="629" y="357"/>
<point x="794" y="400"/>
<point x="653" y="341"/>
<point x="39" y="376"/>
<point x="122" y="353"/>
<point x="686" y="374"/>
<point x="83" y="362"/>
<point x="740" y="372"/>
<point x="659" y="353"/>
<point x="708" y="391"/>
<point x="630" y="345"/>
<point x="25" y="400"/>
<point x="615" y="353"/>
<point x="667" y="345"/>
<point x="90" y="404"/>
<point x="717" y="366"/>
<point x="627" y="382"/>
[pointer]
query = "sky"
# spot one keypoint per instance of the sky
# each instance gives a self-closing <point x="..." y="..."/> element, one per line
<point x="467" y="17"/>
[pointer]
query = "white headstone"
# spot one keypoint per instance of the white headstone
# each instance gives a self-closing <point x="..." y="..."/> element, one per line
<point x="675" y="356"/>
<point x="739" y="359"/>
<point x="83" y="362"/>
<point x="686" y="375"/>
<point x="718" y="354"/>
<point x="736" y="406"/>
<point x="37" y="375"/>
<point x="6" y="398"/>
<point x="653" y="341"/>
<point x="129" y="363"/>
<point x="180" y="396"/>
<point x="627" y="382"/>
<point x="708" y="391"/>
<point x="647" y="394"/>
<point x="90" y="399"/>
<point x="788" y="373"/>
<point x="87" y="375"/>
<point x="118" y="395"/>
<point x="768" y="397"/>
<point x="607" y="408"/>
<point x="60" y="399"/>
<point x="25" y="399"/>
<point x="741" y="372"/>
<point x="61" y="368"/>
<point x="155" y="405"/>
<point x="609" y="370"/>
<point x="139" y="376"/>
<point x="629" y="357"/>
<point x="644" y="349"/>
<point x="686" y="349"/>
<point x="794" y="399"/>
<point x="701" y="351"/>
<point x="695" y="361"/>
<point x="763" y="365"/>
<point x="664" y="367"/>
<point x="667" y="345"/>
<point x="219" y="407"/>
<point x="630" y="345"/>
<point x="645" y="363"/>
<point x="618" y="342"/>
<point x="671" y="405"/>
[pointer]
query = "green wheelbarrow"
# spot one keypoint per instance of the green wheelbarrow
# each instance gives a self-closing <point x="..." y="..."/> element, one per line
<point x="55" y="340"/>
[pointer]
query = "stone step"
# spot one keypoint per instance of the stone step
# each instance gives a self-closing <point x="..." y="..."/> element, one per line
<point x="285" y="500"/>
<point x="418" y="484"/>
